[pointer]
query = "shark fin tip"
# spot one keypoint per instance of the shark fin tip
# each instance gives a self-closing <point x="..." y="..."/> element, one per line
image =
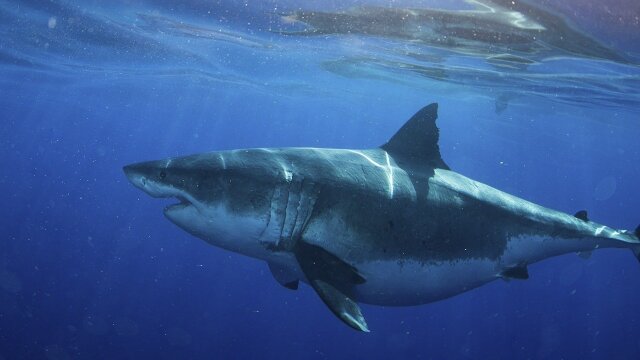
<point x="357" y="322"/>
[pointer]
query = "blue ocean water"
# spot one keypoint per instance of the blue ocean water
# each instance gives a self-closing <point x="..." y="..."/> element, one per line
<point x="90" y="268"/>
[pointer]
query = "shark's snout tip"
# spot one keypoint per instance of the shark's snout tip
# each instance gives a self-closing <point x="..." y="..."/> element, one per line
<point x="134" y="175"/>
<point x="133" y="170"/>
<point x="129" y="168"/>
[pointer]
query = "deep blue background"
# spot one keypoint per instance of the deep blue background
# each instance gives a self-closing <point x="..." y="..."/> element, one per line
<point x="89" y="267"/>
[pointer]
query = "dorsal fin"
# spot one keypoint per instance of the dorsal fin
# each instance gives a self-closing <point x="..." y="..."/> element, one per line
<point x="417" y="140"/>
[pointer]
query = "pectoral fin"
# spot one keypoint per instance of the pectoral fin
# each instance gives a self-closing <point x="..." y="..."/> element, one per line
<point x="334" y="281"/>
<point x="340" y="304"/>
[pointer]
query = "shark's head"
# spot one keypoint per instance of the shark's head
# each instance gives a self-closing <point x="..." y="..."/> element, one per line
<point x="224" y="197"/>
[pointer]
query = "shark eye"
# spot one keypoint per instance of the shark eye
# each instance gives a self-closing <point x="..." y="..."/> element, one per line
<point x="163" y="175"/>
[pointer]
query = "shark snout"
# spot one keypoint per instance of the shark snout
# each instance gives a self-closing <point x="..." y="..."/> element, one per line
<point x="148" y="178"/>
<point x="135" y="175"/>
<point x="152" y="178"/>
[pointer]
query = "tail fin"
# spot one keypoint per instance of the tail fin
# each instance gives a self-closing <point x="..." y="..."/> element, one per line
<point x="636" y="249"/>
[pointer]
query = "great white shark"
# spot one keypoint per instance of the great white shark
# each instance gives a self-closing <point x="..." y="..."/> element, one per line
<point x="392" y="225"/>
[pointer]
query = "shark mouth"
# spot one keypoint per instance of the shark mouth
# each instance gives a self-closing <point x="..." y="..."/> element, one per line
<point x="182" y="204"/>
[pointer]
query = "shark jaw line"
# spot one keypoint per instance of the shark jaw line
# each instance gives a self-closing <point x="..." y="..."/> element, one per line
<point x="185" y="200"/>
<point x="182" y="203"/>
<point x="159" y="190"/>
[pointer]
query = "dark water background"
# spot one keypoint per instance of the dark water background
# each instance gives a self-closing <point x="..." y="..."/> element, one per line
<point x="90" y="269"/>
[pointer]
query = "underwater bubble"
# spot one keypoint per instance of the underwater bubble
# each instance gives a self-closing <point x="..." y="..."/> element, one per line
<point x="10" y="282"/>
<point x="52" y="22"/>
<point x="605" y="188"/>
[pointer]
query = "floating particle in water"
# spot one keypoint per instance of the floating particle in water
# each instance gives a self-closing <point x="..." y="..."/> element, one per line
<point x="52" y="22"/>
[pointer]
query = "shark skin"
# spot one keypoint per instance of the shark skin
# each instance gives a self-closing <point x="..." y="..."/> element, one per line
<point x="390" y="226"/>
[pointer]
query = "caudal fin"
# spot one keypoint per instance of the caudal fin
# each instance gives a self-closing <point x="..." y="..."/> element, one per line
<point x="636" y="249"/>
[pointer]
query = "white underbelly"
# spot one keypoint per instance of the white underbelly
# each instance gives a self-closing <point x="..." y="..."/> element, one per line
<point x="403" y="283"/>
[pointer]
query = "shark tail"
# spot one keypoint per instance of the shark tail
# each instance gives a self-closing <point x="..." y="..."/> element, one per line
<point x="636" y="249"/>
<point x="626" y="238"/>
